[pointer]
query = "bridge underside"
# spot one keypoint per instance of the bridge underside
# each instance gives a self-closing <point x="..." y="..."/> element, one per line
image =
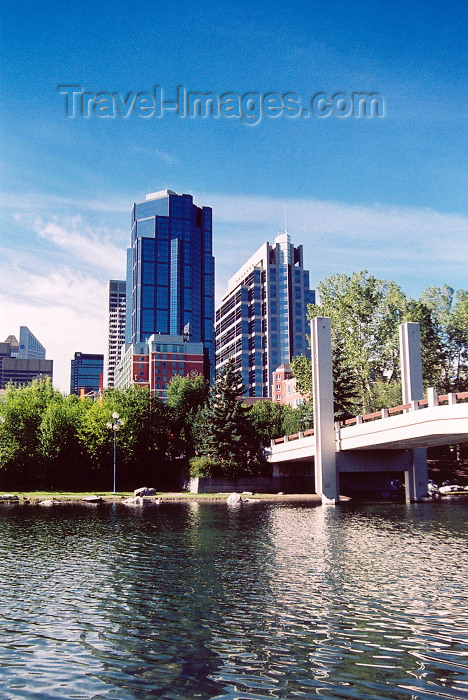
<point x="408" y="465"/>
<point x="374" y="461"/>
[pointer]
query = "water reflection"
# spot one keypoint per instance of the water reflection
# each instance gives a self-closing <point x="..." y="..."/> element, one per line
<point x="200" y="600"/>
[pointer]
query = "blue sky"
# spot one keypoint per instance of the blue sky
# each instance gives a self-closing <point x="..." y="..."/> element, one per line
<point x="385" y="194"/>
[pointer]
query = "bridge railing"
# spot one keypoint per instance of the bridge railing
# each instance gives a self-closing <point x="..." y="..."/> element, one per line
<point x="432" y="400"/>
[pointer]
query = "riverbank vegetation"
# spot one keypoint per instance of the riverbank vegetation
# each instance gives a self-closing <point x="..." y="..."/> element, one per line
<point x="56" y="442"/>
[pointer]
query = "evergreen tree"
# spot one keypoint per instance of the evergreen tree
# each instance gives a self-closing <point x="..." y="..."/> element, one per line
<point x="224" y="432"/>
<point x="345" y="391"/>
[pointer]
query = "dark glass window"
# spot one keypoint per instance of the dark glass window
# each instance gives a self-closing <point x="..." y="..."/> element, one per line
<point x="147" y="273"/>
<point x="148" y="297"/>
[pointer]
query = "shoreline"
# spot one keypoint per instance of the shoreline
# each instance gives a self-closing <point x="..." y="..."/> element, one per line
<point x="169" y="497"/>
<point x="89" y="499"/>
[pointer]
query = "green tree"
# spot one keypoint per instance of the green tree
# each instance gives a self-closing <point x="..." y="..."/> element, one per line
<point x="301" y="369"/>
<point x="20" y="436"/>
<point x="458" y="333"/>
<point x="345" y="385"/>
<point x="267" y="420"/>
<point x="185" y="397"/>
<point x="224" y="432"/>
<point x="142" y="441"/>
<point x="63" y="454"/>
<point x="344" y="382"/>
<point x="450" y="314"/>
<point x="365" y="313"/>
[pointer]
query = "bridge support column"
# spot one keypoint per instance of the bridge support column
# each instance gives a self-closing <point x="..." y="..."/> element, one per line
<point x="413" y="390"/>
<point x="326" y="474"/>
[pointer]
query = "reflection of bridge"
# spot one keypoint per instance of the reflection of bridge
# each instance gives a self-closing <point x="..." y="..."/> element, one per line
<point x="393" y="439"/>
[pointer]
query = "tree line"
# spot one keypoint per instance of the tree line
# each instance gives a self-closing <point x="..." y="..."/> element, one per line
<point x="49" y="440"/>
<point x="365" y="313"/>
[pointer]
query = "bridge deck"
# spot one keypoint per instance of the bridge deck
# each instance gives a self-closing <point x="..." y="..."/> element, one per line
<point x="416" y="425"/>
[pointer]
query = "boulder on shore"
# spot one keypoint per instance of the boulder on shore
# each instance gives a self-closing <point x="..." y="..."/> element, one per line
<point x="234" y="498"/>
<point x="50" y="502"/>
<point x="141" y="501"/>
<point x="9" y="497"/>
<point x="92" y="499"/>
<point x="145" y="491"/>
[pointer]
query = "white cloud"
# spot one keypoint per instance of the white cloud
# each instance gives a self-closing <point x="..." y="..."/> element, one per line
<point x="404" y="243"/>
<point x="83" y="244"/>
<point x="65" y="310"/>
<point x="334" y="218"/>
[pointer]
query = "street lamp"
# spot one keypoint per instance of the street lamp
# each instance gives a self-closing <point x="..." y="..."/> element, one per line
<point x="115" y="425"/>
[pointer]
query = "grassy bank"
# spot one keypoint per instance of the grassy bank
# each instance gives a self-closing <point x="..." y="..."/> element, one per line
<point x="77" y="496"/>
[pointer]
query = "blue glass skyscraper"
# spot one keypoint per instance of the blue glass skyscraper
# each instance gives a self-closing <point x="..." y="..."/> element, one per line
<point x="170" y="278"/>
<point x="86" y="373"/>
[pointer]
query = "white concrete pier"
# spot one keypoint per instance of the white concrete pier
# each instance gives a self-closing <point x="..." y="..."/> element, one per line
<point x="413" y="390"/>
<point x="326" y="475"/>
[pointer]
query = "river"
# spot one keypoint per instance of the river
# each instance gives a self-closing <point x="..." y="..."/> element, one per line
<point x="189" y="600"/>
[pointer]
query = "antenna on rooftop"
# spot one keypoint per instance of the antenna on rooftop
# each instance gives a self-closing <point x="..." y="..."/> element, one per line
<point x="285" y="222"/>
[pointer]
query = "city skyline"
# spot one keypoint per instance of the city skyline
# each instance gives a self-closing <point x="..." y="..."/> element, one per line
<point x="386" y="193"/>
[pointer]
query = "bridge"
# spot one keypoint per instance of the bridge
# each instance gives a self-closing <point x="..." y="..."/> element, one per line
<point x="393" y="439"/>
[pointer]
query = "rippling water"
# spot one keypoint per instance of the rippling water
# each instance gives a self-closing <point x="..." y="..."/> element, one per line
<point x="210" y="601"/>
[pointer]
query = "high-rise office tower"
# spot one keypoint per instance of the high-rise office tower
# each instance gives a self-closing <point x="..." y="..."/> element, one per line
<point x="116" y="326"/>
<point x="172" y="270"/>
<point x="21" y="369"/>
<point x="262" y="320"/>
<point x="86" y="373"/>
<point x="29" y="346"/>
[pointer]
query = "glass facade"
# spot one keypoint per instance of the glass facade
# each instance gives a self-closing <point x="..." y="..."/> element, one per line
<point x="86" y="373"/>
<point x="29" y="346"/>
<point x="262" y="320"/>
<point x="171" y="275"/>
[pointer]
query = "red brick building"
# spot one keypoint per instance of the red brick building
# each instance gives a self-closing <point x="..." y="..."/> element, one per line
<point x="283" y="387"/>
<point x="155" y="363"/>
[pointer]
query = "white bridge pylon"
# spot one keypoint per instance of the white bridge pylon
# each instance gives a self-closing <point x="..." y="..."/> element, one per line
<point x="393" y="439"/>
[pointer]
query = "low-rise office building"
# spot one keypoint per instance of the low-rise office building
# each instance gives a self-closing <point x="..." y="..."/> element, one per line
<point x="283" y="387"/>
<point x="155" y="363"/>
